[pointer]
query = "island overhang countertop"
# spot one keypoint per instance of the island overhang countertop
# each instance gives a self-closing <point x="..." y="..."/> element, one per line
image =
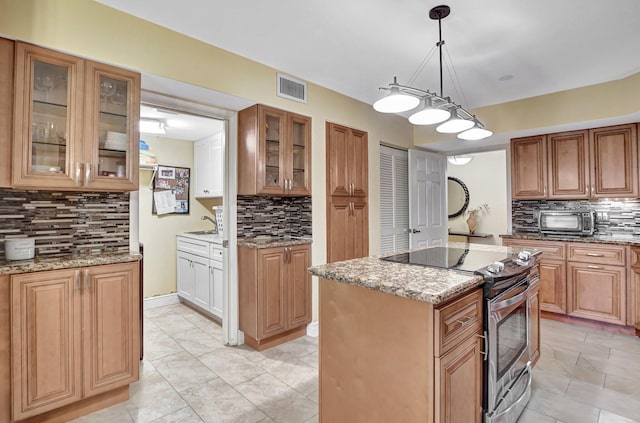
<point x="427" y="284"/>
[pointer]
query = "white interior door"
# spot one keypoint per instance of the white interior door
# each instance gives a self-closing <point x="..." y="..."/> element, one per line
<point x="427" y="199"/>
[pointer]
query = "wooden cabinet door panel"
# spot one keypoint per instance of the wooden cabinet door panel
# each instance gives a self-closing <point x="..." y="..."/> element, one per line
<point x="529" y="167"/>
<point x="46" y="344"/>
<point x="597" y="292"/>
<point x="338" y="222"/>
<point x="568" y="165"/>
<point x="298" y="154"/>
<point x="6" y="110"/>
<point x="48" y="108"/>
<point x="299" y="286"/>
<point x="553" y="286"/>
<point x="271" y="151"/>
<point x="614" y="161"/>
<point x="112" y="105"/>
<point x="337" y="155"/>
<point x="458" y="396"/>
<point x="359" y="229"/>
<point x="357" y="162"/>
<point x="271" y="292"/>
<point x="111" y="331"/>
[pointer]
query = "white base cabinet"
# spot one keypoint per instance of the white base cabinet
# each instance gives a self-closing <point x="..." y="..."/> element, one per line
<point x="200" y="274"/>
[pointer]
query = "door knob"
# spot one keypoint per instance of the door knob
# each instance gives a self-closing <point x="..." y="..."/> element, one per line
<point x="415" y="231"/>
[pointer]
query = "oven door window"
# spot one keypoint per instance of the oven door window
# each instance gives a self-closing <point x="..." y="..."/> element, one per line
<point x="511" y="338"/>
<point x="570" y="222"/>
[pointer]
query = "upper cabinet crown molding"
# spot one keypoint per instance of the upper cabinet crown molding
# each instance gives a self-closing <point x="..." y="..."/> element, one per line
<point x="274" y="152"/>
<point x="75" y="123"/>
<point x="594" y="163"/>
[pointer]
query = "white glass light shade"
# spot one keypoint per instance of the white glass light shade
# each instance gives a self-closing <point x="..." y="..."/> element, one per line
<point x="429" y="115"/>
<point x="396" y="102"/>
<point x="475" y="134"/>
<point x="459" y="160"/>
<point x="455" y="124"/>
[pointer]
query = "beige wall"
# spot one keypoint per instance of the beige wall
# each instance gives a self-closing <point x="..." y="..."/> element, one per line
<point x="91" y="30"/>
<point x="158" y="233"/>
<point x="486" y="178"/>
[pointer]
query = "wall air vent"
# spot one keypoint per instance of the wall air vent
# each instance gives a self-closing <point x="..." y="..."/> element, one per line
<point x="292" y="88"/>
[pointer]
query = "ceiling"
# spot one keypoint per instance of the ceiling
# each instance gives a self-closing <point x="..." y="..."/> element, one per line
<point x="501" y="50"/>
<point x="181" y="126"/>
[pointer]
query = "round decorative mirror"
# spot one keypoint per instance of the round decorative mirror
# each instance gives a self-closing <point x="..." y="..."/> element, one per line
<point x="457" y="197"/>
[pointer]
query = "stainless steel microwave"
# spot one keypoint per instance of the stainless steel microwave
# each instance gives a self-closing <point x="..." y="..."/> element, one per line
<point x="578" y="222"/>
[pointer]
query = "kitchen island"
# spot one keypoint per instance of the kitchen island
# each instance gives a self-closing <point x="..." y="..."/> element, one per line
<point x="400" y="343"/>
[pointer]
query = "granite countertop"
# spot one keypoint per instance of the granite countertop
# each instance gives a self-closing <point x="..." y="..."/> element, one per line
<point x="597" y="239"/>
<point x="40" y="264"/>
<point x="419" y="283"/>
<point x="272" y="242"/>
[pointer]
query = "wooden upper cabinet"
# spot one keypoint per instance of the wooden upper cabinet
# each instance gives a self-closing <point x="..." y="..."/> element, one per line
<point x="75" y="123"/>
<point x="568" y="164"/>
<point x="614" y="161"/>
<point x="274" y="153"/>
<point x="594" y="163"/>
<point x="6" y="110"/>
<point x="529" y="168"/>
<point x="347" y="151"/>
<point x="112" y="113"/>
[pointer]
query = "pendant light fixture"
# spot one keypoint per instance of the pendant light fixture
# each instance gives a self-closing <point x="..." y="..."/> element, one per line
<point x="434" y="108"/>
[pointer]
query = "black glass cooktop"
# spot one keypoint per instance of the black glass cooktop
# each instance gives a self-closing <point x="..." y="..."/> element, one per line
<point x="449" y="258"/>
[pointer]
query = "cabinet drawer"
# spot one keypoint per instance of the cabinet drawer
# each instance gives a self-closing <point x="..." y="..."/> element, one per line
<point x="193" y="246"/>
<point x="596" y="253"/>
<point x="553" y="250"/>
<point x="457" y="320"/>
<point x="216" y="253"/>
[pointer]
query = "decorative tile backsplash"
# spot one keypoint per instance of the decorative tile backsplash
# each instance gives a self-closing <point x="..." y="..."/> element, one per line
<point x="66" y="222"/>
<point x="273" y="216"/>
<point x="615" y="218"/>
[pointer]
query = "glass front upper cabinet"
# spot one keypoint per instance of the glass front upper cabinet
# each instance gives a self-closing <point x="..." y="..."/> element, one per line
<point x="75" y="123"/>
<point x="113" y="110"/>
<point x="300" y="138"/>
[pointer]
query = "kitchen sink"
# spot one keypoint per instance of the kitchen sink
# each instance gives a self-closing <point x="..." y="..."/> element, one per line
<point x="203" y="233"/>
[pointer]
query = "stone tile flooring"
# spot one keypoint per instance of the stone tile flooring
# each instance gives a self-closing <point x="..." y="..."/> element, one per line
<point x="584" y="375"/>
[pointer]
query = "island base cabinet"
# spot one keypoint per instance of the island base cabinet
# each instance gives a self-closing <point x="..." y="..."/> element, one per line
<point x="378" y="359"/>
<point x="459" y="374"/>
<point x="74" y="339"/>
<point x="634" y="285"/>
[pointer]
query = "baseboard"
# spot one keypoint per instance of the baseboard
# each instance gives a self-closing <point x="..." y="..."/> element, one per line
<point x="160" y="301"/>
<point x="313" y="329"/>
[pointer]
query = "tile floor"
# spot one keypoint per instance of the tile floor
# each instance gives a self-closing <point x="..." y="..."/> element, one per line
<point x="583" y="375"/>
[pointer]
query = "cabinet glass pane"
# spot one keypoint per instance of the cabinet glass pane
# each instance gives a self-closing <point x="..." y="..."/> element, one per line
<point x="112" y="127"/>
<point x="299" y="153"/>
<point x="49" y="118"/>
<point x="273" y="137"/>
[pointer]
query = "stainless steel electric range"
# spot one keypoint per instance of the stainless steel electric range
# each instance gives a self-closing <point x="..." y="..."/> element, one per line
<point x="507" y="325"/>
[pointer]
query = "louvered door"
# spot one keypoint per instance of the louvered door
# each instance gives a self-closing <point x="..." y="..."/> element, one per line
<point x="394" y="199"/>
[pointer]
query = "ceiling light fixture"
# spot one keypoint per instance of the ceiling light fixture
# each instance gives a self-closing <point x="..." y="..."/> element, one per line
<point x="459" y="160"/>
<point x="152" y="126"/>
<point x="435" y="108"/>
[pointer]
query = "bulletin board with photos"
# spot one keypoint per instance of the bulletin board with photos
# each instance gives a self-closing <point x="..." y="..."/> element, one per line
<point x="171" y="190"/>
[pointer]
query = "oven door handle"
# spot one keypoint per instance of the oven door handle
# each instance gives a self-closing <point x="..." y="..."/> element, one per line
<point x="501" y="304"/>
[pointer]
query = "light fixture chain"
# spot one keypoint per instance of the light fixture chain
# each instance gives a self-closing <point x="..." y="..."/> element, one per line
<point x="418" y="71"/>
<point x="440" y="43"/>
<point x="456" y="81"/>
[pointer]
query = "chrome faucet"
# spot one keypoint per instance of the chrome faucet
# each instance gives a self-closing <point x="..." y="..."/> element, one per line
<point x="215" y="225"/>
